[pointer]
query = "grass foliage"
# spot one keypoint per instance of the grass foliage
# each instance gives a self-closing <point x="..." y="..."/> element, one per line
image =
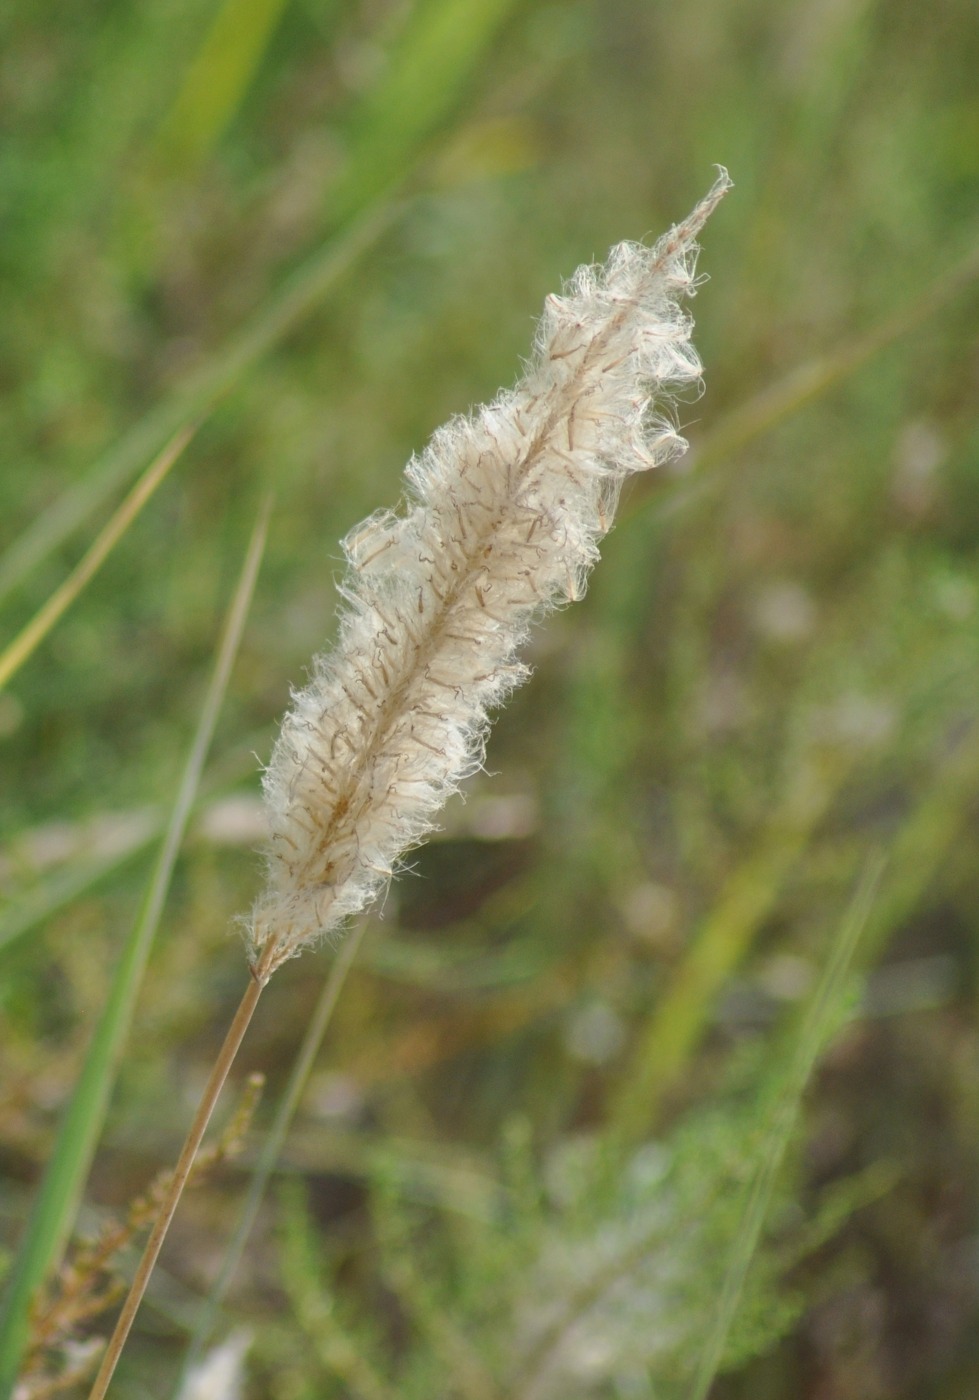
<point x="575" y="1128"/>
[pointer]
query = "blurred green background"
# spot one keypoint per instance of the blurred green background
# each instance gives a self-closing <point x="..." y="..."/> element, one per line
<point x="317" y="230"/>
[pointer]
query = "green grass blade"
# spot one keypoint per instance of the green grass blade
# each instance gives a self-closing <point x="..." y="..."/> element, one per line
<point x="32" y="635"/>
<point x="64" y="1179"/>
<point x="818" y="1024"/>
<point x="430" y="69"/>
<point x="217" y="80"/>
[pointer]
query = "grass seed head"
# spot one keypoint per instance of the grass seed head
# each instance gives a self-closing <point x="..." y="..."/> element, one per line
<point x="505" y="508"/>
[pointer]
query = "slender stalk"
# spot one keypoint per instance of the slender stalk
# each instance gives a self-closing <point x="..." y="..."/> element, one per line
<point x="269" y="1155"/>
<point x="181" y="1172"/>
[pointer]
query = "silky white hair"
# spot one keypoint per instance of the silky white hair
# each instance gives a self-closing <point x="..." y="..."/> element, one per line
<point x="505" y="508"/>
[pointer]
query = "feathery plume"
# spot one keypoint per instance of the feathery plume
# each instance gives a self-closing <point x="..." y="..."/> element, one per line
<point x="504" y="511"/>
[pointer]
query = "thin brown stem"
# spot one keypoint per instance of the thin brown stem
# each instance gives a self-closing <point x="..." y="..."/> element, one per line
<point x="181" y="1172"/>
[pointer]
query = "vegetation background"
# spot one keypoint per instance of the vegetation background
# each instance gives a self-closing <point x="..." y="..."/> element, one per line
<point x="317" y="230"/>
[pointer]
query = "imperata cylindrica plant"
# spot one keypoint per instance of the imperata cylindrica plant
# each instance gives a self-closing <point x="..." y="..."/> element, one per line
<point x="505" y="508"/>
<point x="504" y="511"/>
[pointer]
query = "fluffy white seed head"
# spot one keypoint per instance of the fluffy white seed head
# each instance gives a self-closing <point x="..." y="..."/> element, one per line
<point x="504" y="512"/>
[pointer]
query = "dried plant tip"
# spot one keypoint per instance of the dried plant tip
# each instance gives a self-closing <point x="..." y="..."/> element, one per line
<point x="505" y="509"/>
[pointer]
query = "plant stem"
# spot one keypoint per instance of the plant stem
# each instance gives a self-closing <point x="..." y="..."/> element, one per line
<point x="181" y="1172"/>
<point x="272" y="1148"/>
